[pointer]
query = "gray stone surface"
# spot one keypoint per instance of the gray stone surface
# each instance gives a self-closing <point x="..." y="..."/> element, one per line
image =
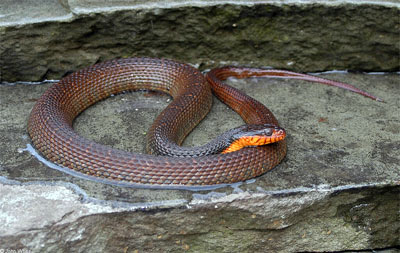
<point x="44" y="41"/>
<point x="337" y="189"/>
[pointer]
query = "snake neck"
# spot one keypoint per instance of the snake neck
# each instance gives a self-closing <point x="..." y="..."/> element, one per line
<point x="167" y="147"/>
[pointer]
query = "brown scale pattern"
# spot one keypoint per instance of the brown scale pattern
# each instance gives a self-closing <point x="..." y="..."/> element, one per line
<point x="50" y="126"/>
<point x="50" y="123"/>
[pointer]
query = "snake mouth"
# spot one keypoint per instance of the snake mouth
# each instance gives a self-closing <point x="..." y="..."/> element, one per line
<point x="272" y="136"/>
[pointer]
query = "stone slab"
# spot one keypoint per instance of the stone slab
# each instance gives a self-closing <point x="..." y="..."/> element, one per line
<point x="45" y="41"/>
<point x="338" y="188"/>
<point x="19" y="13"/>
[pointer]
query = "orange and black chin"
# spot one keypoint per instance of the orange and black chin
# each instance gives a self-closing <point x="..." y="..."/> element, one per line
<point x="256" y="135"/>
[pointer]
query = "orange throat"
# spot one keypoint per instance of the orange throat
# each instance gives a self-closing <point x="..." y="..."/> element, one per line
<point x="251" y="141"/>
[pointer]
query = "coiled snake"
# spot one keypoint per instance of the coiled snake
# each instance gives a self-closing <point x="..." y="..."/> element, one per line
<point x="50" y="124"/>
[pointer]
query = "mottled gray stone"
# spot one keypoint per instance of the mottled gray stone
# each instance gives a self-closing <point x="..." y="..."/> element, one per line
<point x="303" y="220"/>
<point x="315" y="36"/>
<point x="337" y="189"/>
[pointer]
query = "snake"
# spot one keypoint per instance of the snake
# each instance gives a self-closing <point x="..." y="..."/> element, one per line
<point x="237" y="155"/>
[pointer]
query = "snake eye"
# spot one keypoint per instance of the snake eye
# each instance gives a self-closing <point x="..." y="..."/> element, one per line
<point x="268" y="132"/>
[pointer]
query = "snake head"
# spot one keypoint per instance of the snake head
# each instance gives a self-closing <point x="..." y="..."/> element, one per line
<point x="255" y="135"/>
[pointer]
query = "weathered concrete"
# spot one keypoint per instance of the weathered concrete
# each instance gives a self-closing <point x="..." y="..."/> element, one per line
<point x="44" y="41"/>
<point x="338" y="189"/>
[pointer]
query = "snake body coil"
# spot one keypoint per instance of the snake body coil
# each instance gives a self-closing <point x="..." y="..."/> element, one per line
<point x="50" y="123"/>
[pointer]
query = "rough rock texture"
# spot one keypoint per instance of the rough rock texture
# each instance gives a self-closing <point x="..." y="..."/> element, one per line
<point x="315" y="220"/>
<point x="303" y="37"/>
<point x="338" y="189"/>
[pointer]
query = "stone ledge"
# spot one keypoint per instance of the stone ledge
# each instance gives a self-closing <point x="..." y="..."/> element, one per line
<point x="304" y="36"/>
<point x="336" y="190"/>
<point x="279" y="222"/>
<point x="29" y="11"/>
